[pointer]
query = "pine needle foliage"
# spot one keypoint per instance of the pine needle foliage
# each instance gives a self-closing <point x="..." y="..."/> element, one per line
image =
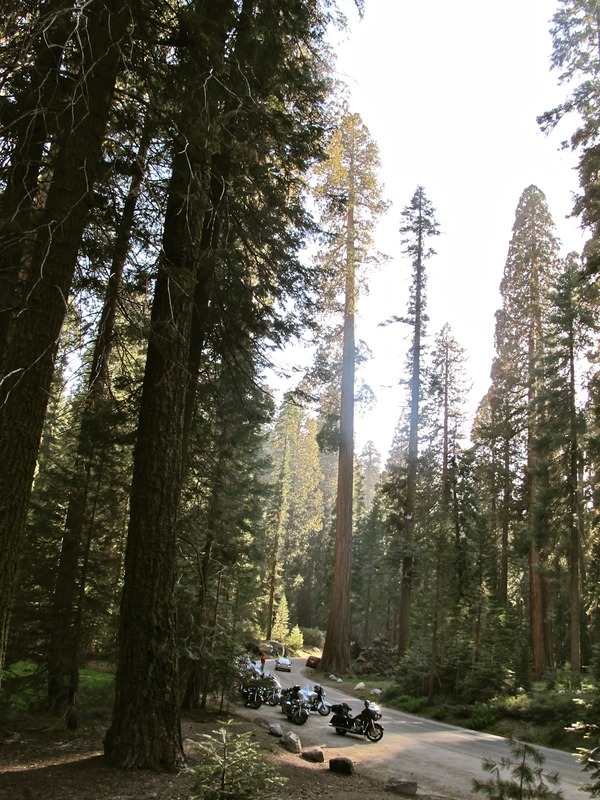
<point x="234" y="768"/>
<point x="526" y="779"/>
<point x="591" y="761"/>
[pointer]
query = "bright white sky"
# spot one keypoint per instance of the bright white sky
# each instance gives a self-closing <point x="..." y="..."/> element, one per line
<point x="450" y="92"/>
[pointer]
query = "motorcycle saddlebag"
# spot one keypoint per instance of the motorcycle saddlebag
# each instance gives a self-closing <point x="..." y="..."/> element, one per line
<point x="340" y="708"/>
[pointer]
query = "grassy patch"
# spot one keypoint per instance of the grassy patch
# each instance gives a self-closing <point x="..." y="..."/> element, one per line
<point x="24" y="691"/>
<point x="96" y="691"/>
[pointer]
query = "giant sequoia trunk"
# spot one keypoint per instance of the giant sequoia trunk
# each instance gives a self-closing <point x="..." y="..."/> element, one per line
<point x="336" y="651"/>
<point x="27" y="360"/>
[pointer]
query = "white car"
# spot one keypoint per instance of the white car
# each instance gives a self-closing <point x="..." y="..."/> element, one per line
<point x="283" y="664"/>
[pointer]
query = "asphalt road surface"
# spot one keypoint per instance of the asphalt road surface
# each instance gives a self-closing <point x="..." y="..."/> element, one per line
<point x="442" y="759"/>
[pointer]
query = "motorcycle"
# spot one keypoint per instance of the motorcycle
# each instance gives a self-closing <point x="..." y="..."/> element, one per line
<point x="251" y="695"/>
<point x="362" y="724"/>
<point x="295" y="705"/>
<point x="316" y="700"/>
<point x="270" y="690"/>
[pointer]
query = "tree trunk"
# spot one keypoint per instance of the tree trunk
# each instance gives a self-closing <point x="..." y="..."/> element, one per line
<point x="63" y="650"/>
<point x="27" y="361"/>
<point x="502" y="592"/>
<point x="336" y="650"/>
<point x="573" y="514"/>
<point x="538" y="658"/>
<point x="145" y="730"/>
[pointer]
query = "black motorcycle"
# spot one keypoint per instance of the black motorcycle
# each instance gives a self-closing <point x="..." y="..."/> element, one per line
<point x="251" y="695"/>
<point x="295" y="705"/>
<point x="362" y="724"/>
<point x="270" y="690"/>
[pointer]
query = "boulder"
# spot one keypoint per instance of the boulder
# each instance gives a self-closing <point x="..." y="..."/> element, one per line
<point x="262" y="723"/>
<point x="341" y="765"/>
<point x="359" y="687"/>
<point x="291" y="742"/>
<point x="313" y="754"/>
<point x="376" y="692"/>
<point x="275" y="729"/>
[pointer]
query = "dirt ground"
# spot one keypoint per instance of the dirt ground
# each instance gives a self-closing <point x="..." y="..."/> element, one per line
<point x="52" y="764"/>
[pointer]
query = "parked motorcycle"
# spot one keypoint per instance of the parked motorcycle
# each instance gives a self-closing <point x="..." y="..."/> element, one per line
<point x="295" y="705"/>
<point x="270" y="690"/>
<point x="251" y="695"/>
<point x="316" y="700"/>
<point x="362" y="724"/>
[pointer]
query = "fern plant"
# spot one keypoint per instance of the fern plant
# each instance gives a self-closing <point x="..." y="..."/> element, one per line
<point x="526" y="779"/>
<point x="233" y="768"/>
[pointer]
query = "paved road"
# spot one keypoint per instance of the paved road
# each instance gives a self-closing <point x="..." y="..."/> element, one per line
<point x="442" y="759"/>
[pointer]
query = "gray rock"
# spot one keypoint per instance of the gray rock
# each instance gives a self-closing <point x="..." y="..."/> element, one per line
<point x="275" y="729"/>
<point x="359" y="687"/>
<point x="314" y="754"/>
<point x="404" y="788"/>
<point x="262" y="723"/>
<point x="345" y="766"/>
<point x="377" y="692"/>
<point x="291" y="742"/>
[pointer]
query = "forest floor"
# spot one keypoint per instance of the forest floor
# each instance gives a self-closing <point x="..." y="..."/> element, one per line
<point x="47" y="763"/>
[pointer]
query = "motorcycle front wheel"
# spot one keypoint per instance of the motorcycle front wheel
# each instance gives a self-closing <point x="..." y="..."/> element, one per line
<point x="341" y="731"/>
<point x="375" y="733"/>
<point x="254" y="701"/>
<point x="300" y="716"/>
<point x="324" y="710"/>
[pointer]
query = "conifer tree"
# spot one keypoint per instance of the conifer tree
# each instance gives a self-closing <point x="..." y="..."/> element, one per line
<point x="196" y="304"/>
<point x="530" y="266"/>
<point x="90" y="459"/>
<point x="281" y="625"/>
<point x="32" y="329"/>
<point x="568" y="338"/>
<point x="418" y="226"/>
<point x="576" y="54"/>
<point x="351" y="201"/>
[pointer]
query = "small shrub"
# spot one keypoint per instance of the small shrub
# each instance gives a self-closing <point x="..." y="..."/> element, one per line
<point x="313" y="637"/>
<point x="233" y="768"/>
<point x="482" y="717"/>
<point x="516" y="706"/>
<point x="294" y="639"/>
<point x="539" y="708"/>
<point x="412" y="705"/>
<point x="440" y="713"/>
